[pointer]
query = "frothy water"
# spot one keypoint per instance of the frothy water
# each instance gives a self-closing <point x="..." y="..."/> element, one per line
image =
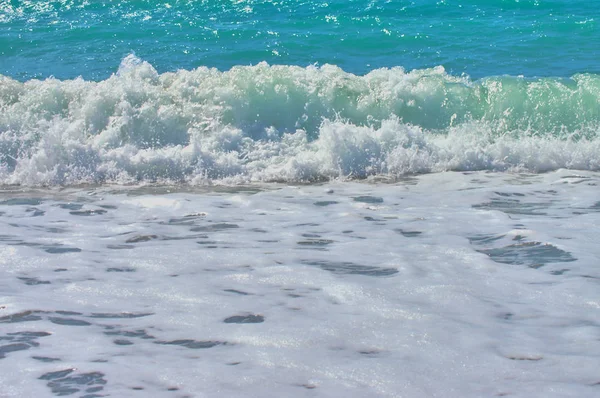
<point x="285" y="123"/>
<point x="470" y="284"/>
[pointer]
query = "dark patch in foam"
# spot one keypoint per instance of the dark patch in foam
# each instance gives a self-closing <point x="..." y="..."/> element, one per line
<point x="9" y="238"/>
<point x="20" y="341"/>
<point x="123" y="342"/>
<point x="193" y="344"/>
<point x="46" y="359"/>
<point x="5" y="349"/>
<point x="27" y="244"/>
<point x="120" y="247"/>
<point x="593" y="208"/>
<point x="408" y="234"/>
<point x="525" y="357"/>
<point x="324" y="203"/>
<point x="259" y="230"/>
<point x="33" y="281"/>
<point x="208" y="242"/>
<point x="68" y="321"/>
<point x="183" y="237"/>
<point x="189" y="219"/>
<point x="215" y="227"/>
<point x="35" y="212"/>
<point x="560" y="271"/>
<point x="345" y="267"/>
<point x="237" y="292"/>
<point x="124" y="269"/>
<point x="251" y="318"/>
<point x="368" y="199"/>
<point x="64" y="382"/>
<point x="55" y="230"/>
<point x="378" y="221"/>
<point x="532" y="254"/>
<point x="29" y="335"/>
<point x="315" y="242"/>
<point x="484" y="239"/>
<point x="508" y="194"/>
<point x="141" y="238"/>
<point x="60" y="250"/>
<point x="21" y="202"/>
<point x="68" y="313"/>
<point x="514" y="206"/>
<point x="56" y="375"/>
<point x="139" y="333"/>
<point x="578" y="179"/>
<point x="307" y="386"/>
<point x="370" y="353"/>
<point x="120" y="315"/>
<point x="25" y="316"/>
<point x="70" y="206"/>
<point x="87" y="213"/>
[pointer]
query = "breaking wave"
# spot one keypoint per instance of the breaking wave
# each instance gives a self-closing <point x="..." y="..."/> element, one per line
<point x="288" y="123"/>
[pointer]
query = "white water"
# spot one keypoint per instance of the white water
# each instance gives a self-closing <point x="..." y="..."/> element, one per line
<point x="449" y="284"/>
<point x="284" y="123"/>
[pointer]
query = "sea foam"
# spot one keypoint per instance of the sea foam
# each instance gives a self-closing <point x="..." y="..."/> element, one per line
<point x="462" y="284"/>
<point x="288" y="123"/>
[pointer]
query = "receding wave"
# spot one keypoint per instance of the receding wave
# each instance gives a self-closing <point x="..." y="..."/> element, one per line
<point x="288" y="123"/>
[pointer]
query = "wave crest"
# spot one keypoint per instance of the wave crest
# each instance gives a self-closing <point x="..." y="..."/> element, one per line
<point x="287" y="123"/>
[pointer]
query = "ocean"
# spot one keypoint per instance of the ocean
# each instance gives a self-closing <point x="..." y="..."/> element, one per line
<point x="268" y="198"/>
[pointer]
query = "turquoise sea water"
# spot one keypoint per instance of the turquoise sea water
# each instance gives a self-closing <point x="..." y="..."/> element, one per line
<point x="71" y="38"/>
<point x="96" y="91"/>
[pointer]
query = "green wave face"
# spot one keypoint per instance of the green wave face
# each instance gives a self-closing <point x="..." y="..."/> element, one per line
<point x="287" y="98"/>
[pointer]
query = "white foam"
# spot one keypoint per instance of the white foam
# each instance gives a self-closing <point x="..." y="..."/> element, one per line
<point x="286" y="123"/>
<point x="426" y="287"/>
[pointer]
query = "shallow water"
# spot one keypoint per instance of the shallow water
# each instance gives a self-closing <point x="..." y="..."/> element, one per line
<point x="470" y="284"/>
